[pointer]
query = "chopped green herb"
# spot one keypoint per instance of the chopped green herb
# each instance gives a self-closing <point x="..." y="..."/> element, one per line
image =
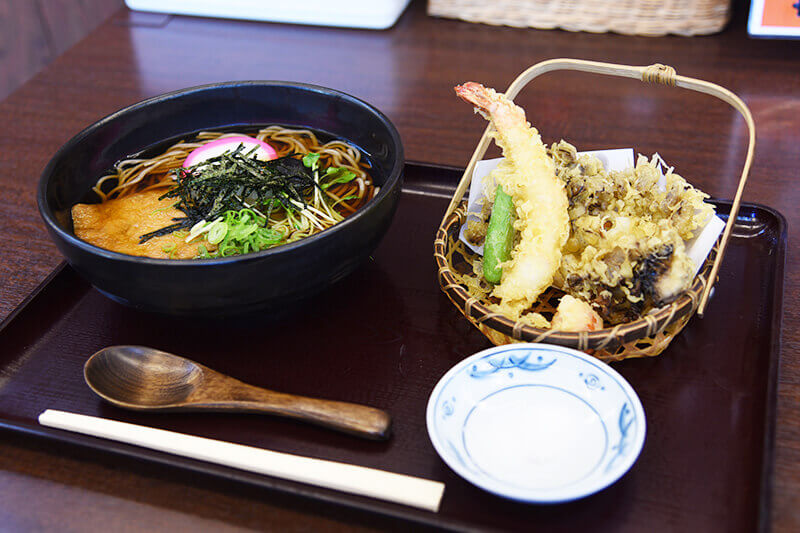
<point x="169" y="249"/>
<point x="245" y="232"/>
<point x="217" y="232"/>
<point x="154" y="211"/>
<point x="311" y="160"/>
<point x="334" y="175"/>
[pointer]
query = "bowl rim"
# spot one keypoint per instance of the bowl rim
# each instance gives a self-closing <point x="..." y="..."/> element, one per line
<point x="393" y="176"/>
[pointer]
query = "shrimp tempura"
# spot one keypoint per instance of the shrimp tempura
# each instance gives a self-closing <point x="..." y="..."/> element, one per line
<point x="528" y="175"/>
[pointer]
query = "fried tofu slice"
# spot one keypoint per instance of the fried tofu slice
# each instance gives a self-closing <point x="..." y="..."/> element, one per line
<point x="118" y="224"/>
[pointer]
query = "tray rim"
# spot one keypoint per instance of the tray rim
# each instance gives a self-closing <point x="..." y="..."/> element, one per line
<point x="386" y="509"/>
<point x="771" y="404"/>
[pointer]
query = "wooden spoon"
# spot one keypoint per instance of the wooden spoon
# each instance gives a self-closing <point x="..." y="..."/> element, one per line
<point x="144" y="379"/>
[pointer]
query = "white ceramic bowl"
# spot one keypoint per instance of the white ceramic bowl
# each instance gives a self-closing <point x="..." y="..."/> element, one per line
<point x="536" y="422"/>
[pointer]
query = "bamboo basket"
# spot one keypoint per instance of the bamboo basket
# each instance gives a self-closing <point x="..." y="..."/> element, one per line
<point x="647" y="336"/>
<point x="631" y="17"/>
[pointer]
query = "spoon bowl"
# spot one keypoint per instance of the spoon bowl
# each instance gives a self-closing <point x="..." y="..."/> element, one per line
<point x="145" y="379"/>
<point x="137" y="377"/>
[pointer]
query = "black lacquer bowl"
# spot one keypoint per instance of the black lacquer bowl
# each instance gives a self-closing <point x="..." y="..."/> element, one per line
<point x="271" y="280"/>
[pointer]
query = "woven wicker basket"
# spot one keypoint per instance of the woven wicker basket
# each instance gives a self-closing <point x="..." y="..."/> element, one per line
<point x="632" y="17"/>
<point x="647" y="336"/>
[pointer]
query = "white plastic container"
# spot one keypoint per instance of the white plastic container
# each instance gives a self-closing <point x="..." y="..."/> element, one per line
<point x="368" y="14"/>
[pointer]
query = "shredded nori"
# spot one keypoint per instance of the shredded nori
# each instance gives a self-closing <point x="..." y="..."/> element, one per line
<point x="234" y="181"/>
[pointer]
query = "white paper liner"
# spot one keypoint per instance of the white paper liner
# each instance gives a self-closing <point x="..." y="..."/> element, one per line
<point x="613" y="160"/>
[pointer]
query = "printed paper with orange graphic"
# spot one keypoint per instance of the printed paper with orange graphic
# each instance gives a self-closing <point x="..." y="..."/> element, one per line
<point x="782" y="13"/>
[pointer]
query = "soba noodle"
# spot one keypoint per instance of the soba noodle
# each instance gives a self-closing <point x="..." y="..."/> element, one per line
<point x="323" y="208"/>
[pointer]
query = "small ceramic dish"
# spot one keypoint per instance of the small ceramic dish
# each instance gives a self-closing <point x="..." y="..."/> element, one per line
<point x="536" y="422"/>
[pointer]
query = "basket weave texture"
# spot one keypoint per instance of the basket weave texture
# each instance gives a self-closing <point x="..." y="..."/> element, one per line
<point x="631" y="17"/>
<point x="645" y="337"/>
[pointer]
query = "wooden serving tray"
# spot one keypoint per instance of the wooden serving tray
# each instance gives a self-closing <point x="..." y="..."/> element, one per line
<point x="386" y="334"/>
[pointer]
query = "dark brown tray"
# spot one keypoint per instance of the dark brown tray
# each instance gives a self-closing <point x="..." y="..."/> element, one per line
<point x="386" y="334"/>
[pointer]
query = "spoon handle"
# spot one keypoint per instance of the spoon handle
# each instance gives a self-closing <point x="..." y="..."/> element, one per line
<point x="352" y="418"/>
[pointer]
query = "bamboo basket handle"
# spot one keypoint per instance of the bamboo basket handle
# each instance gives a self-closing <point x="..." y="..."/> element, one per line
<point x="656" y="73"/>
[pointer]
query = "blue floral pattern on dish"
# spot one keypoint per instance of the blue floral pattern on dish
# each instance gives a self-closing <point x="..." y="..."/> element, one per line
<point x="592" y="381"/>
<point x="626" y="419"/>
<point x="448" y="408"/>
<point x="512" y="360"/>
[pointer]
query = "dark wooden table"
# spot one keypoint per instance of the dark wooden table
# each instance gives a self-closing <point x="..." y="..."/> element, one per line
<point x="408" y="72"/>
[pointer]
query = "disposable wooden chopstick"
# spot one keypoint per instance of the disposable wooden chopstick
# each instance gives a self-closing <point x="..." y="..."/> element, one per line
<point x="398" y="488"/>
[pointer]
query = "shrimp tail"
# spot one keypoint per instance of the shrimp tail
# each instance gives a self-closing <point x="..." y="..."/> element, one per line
<point x="491" y="104"/>
<point x="477" y="95"/>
